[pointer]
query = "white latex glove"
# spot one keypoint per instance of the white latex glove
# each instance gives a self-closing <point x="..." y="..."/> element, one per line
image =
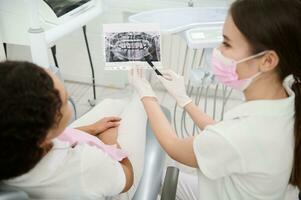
<point x="141" y="85"/>
<point x="175" y="86"/>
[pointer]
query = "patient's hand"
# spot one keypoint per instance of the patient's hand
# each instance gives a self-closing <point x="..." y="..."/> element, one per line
<point x="101" y="125"/>
<point x="106" y="123"/>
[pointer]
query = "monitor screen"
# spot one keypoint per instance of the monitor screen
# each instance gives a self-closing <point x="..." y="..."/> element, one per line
<point x="62" y="7"/>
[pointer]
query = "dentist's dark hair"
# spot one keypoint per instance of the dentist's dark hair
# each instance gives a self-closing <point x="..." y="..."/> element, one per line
<point x="29" y="107"/>
<point x="275" y="25"/>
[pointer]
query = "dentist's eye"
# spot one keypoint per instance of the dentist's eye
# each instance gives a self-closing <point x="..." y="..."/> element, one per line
<point x="226" y="44"/>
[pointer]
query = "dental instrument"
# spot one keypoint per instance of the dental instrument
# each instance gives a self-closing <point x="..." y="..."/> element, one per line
<point x="148" y="60"/>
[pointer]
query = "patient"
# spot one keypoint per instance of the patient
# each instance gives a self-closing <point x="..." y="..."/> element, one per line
<point x="42" y="159"/>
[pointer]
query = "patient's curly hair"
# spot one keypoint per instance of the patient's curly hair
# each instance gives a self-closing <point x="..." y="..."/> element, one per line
<point x="29" y="107"/>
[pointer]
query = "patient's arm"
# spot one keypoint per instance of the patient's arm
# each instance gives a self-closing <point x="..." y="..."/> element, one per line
<point x="110" y="137"/>
<point x="198" y="116"/>
<point x="129" y="174"/>
<point x="101" y="125"/>
<point x="88" y="129"/>
<point x="178" y="149"/>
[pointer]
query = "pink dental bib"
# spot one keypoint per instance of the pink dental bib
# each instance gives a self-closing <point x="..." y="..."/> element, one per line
<point x="75" y="136"/>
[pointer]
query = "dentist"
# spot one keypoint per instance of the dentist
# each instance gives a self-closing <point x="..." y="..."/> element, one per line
<point x="255" y="152"/>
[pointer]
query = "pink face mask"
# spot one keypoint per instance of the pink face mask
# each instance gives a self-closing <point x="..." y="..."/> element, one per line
<point x="224" y="70"/>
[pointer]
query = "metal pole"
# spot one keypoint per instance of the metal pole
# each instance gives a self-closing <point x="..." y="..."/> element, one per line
<point x="92" y="102"/>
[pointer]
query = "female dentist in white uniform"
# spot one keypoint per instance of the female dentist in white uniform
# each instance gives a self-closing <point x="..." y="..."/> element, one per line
<point x="255" y="152"/>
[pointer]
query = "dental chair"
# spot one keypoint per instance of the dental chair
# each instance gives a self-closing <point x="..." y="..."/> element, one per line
<point x="149" y="186"/>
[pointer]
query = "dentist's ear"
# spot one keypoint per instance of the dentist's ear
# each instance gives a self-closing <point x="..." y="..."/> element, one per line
<point x="269" y="61"/>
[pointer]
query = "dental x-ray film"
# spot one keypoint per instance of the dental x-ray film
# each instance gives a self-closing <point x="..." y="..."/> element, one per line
<point x="127" y="45"/>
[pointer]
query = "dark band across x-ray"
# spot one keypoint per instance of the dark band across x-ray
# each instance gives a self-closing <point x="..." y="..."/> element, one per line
<point x="132" y="46"/>
<point x="61" y="7"/>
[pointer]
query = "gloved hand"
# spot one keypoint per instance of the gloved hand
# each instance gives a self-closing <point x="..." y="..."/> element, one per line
<point x="141" y="85"/>
<point x="175" y="85"/>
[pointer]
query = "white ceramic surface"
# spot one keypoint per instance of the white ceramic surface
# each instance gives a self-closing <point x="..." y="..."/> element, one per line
<point x="175" y="20"/>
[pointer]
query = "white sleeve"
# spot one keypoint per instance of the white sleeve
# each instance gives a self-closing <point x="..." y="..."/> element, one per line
<point x="101" y="175"/>
<point x="216" y="156"/>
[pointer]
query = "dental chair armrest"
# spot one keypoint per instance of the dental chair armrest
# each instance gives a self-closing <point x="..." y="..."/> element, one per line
<point x="170" y="184"/>
<point x="154" y="165"/>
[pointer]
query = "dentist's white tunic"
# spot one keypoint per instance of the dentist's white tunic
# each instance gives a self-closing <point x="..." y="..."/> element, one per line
<point x="249" y="154"/>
